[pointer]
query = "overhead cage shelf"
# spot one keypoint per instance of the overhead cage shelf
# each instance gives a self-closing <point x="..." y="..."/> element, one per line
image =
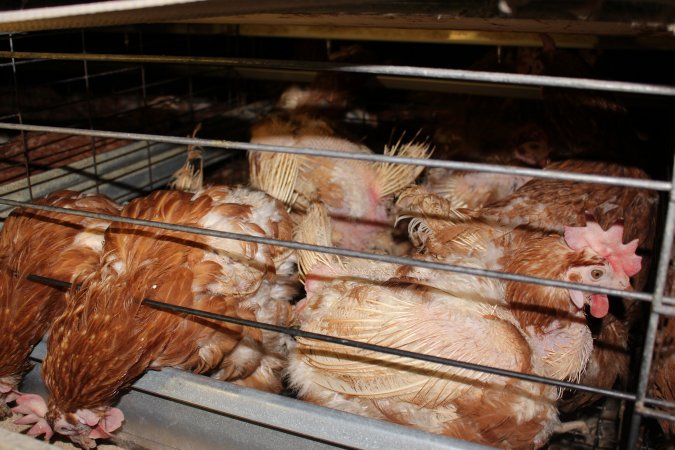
<point x="577" y="24"/>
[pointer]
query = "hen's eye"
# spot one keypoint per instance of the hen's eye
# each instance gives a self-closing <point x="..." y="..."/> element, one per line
<point x="596" y="274"/>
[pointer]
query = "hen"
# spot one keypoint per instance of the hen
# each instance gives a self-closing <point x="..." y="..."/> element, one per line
<point x="332" y="94"/>
<point x="358" y="194"/>
<point x="544" y="205"/>
<point x="509" y="325"/>
<point x="469" y="189"/>
<point x="547" y="204"/>
<point x="48" y="244"/>
<point x="107" y="337"/>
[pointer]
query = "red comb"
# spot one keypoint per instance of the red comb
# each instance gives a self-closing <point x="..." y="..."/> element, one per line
<point x="608" y="244"/>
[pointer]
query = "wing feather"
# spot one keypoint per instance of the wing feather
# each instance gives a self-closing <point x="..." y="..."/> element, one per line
<point x="416" y="320"/>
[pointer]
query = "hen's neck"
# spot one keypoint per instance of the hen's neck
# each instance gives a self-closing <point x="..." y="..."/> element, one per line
<point x="557" y="330"/>
<point x="561" y="350"/>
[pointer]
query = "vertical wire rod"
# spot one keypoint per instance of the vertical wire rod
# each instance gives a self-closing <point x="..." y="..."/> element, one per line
<point x="87" y="86"/>
<point x="652" y="327"/>
<point x="144" y="117"/>
<point x="24" y="138"/>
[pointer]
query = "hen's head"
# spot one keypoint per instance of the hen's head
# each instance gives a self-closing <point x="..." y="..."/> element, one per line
<point x="82" y="427"/>
<point x="8" y="394"/>
<point x="587" y="255"/>
<point x="617" y="262"/>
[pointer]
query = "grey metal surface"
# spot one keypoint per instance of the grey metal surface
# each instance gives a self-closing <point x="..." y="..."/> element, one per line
<point x="115" y="12"/>
<point x="173" y="409"/>
<point x="120" y="173"/>
<point x="372" y="69"/>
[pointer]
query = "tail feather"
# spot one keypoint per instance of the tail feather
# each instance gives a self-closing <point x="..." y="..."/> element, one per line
<point x="392" y="177"/>
<point x="447" y="184"/>
<point x="315" y="228"/>
<point x="430" y="214"/>
<point x="416" y="201"/>
<point x="190" y="177"/>
<point x="276" y="174"/>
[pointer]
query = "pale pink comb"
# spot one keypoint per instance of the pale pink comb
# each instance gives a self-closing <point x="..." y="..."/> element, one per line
<point x="102" y="427"/>
<point x="608" y="244"/>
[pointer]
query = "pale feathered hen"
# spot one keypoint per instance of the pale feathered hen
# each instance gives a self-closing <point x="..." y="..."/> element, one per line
<point x="54" y="245"/>
<point x="107" y="338"/>
<point x="358" y="194"/>
<point x="543" y="205"/>
<point x="548" y="204"/>
<point x="508" y="325"/>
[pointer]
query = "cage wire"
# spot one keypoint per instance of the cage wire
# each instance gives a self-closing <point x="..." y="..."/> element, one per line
<point x="104" y="115"/>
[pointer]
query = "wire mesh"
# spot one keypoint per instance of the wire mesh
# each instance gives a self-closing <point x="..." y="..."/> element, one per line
<point x="660" y="303"/>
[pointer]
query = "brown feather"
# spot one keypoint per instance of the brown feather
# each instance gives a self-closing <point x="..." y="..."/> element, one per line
<point x="107" y="338"/>
<point x="450" y="315"/>
<point x="48" y="244"/>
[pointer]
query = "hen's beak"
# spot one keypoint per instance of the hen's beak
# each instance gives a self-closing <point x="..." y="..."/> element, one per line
<point x="83" y="441"/>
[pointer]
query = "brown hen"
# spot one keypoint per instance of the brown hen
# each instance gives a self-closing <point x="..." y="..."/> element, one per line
<point x="548" y="205"/>
<point x="107" y="337"/>
<point x="47" y="244"/>
<point x="543" y="205"/>
<point x="508" y="325"/>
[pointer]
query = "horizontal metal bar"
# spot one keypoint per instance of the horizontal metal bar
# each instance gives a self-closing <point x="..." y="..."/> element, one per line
<point x="655" y="413"/>
<point x="407" y="71"/>
<point x="393" y="351"/>
<point x="666" y="310"/>
<point x="661" y="403"/>
<point x="337" y="251"/>
<point x="49" y="281"/>
<point x="10" y="116"/>
<point x="361" y="345"/>
<point x="94" y="75"/>
<point x="456" y="165"/>
<point x="23" y="62"/>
